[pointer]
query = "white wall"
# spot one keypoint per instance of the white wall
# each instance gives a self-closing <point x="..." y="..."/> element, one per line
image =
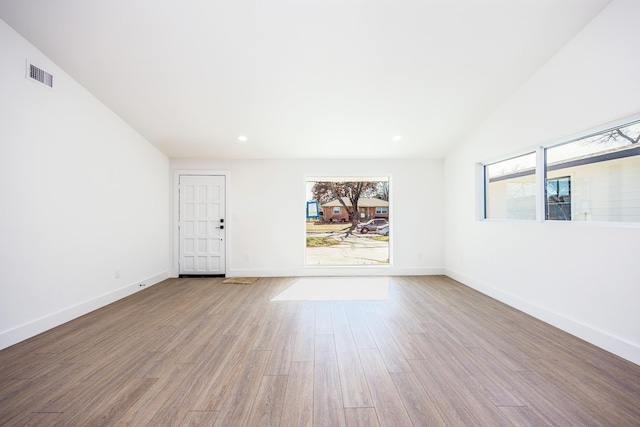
<point x="82" y="195"/>
<point x="266" y="214"/>
<point x="580" y="277"/>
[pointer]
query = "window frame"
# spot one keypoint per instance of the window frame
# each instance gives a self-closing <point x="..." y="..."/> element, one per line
<point x="481" y="173"/>
<point x="541" y="178"/>
<point x="377" y="177"/>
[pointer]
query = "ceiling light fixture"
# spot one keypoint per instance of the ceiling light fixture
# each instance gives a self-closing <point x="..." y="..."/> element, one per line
<point x="397" y="138"/>
<point x="242" y="138"/>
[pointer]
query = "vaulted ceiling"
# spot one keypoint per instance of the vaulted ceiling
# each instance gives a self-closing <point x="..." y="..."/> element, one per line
<point x="301" y="78"/>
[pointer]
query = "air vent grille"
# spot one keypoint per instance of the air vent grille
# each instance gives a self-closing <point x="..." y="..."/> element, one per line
<point x="40" y="75"/>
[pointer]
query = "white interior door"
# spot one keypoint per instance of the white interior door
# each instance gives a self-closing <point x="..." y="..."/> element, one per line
<point x="201" y="224"/>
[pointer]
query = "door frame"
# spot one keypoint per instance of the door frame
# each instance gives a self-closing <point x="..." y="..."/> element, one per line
<point x="176" y="209"/>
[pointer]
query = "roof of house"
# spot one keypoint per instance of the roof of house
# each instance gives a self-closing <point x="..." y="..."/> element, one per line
<point x="364" y="202"/>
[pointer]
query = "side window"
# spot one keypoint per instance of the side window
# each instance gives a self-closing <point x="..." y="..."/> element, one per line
<point x="595" y="178"/>
<point x="510" y="188"/>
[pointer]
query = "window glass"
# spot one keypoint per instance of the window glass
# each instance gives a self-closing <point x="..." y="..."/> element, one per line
<point x="346" y="229"/>
<point x="510" y="188"/>
<point x="558" y="193"/>
<point x="596" y="178"/>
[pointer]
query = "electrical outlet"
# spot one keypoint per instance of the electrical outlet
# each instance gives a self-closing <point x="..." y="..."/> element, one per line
<point x="142" y="285"/>
<point x="247" y="257"/>
<point x="116" y="274"/>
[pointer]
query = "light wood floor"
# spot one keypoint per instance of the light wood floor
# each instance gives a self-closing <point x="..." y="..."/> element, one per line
<point x="199" y="352"/>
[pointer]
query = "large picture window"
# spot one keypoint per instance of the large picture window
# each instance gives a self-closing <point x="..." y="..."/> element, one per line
<point x="353" y="223"/>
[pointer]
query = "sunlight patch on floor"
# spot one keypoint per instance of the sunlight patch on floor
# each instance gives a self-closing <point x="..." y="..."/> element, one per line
<point x="336" y="289"/>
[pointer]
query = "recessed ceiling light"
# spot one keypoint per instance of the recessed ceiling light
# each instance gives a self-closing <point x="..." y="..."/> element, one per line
<point x="397" y="138"/>
<point x="242" y="138"/>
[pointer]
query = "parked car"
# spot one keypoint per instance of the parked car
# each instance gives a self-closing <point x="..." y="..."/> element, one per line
<point x="371" y="225"/>
<point x="383" y="230"/>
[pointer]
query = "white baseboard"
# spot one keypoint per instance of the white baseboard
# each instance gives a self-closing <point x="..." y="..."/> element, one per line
<point x="612" y="344"/>
<point x="336" y="271"/>
<point x="35" y="327"/>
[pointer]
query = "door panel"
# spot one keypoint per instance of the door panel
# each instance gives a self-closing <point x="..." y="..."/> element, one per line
<point x="201" y="222"/>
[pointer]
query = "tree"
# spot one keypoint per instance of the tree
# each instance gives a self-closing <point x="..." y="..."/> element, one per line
<point x="629" y="133"/>
<point x="352" y="191"/>
<point x="632" y="140"/>
<point x="382" y="190"/>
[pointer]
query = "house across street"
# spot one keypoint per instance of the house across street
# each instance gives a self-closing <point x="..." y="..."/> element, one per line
<point x="368" y="208"/>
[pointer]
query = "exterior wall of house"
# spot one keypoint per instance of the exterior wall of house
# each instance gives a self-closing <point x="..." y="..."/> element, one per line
<point x="513" y="198"/>
<point x="370" y="213"/>
<point x="604" y="191"/>
<point x="365" y="214"/>
<point x="329" y="214"/>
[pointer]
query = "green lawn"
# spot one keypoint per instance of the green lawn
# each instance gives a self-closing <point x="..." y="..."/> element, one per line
<point x="319" y="242"/>
<point x="380" y="237"/>
<point x="325" y="228"/>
